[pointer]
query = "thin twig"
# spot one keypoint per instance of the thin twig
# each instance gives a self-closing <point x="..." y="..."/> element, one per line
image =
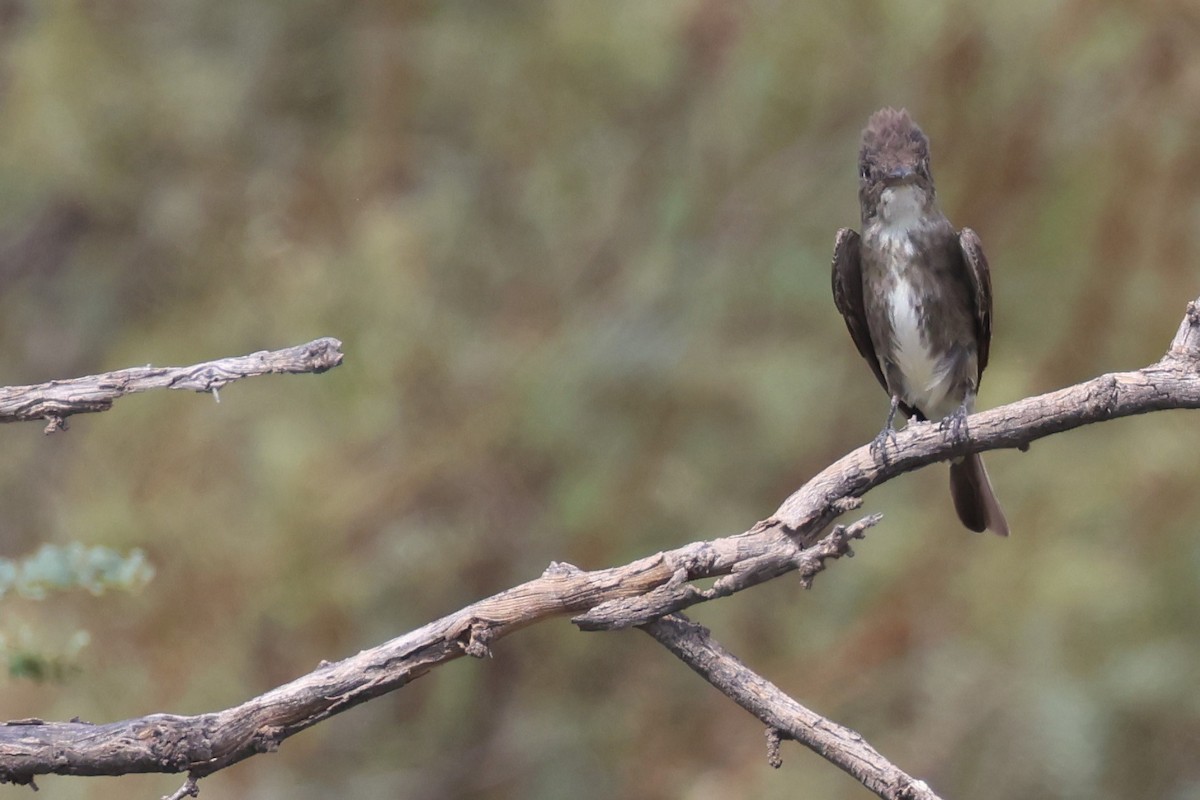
<point x="189" y="789"/>
<point x="54" y="401"/>
<point x="783" y="716"/>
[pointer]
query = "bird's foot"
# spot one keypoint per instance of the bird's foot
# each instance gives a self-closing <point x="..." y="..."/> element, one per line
<point x="886" y="436"/>
<point x="954" y="425"/>
<point x="880" y="444"/>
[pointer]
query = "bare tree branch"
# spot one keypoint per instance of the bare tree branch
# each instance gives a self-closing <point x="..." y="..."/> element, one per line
<point x="57" y="400"/>
<point x="205" y="743"/>
<point x="632" y="594"/>
<point x="1172" y="382"/>
<point x="784" y="716"/>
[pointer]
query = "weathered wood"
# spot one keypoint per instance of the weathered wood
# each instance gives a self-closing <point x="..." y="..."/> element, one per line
<point x="56" y="400"/>
<point x="633" y="594"/>
<point x="204" y="743"/>
<point x="783" y="716"/>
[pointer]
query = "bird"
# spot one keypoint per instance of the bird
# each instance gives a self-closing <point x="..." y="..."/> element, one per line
<point x="916" y="296"/>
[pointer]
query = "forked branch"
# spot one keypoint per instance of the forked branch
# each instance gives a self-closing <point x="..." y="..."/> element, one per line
<point x="795" y="538"/>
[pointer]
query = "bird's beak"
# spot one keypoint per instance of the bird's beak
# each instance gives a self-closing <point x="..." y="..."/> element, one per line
<point x="901" y="174"/>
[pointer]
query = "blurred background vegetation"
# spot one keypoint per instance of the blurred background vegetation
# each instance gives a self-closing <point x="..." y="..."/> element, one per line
<point x="579" y="257"/>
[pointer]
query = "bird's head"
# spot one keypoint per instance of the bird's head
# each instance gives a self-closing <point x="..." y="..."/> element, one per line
<point x="894" y="155"/>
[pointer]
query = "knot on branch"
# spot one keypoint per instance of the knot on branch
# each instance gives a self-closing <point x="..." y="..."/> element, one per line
<point x="479" y="638"/>
<point x="907" y="788"/>
<point x="774" y="738"/>
<point x="843" y="505"/>
<point x="812" y="560"/>
<point x="560" y="569"/>
<point x="172" y="745"/>
<point x="1104" y="397"/>
<point x="268" y="738"/>
<point x="323" y="354"/>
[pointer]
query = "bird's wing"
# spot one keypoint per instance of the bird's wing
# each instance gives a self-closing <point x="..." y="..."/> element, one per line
<point x="981" y="292"/>
<point x="848" y="296"/>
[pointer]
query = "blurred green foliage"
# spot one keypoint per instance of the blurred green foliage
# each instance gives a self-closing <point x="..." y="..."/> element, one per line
<point x="578" y="254"/>
<point x="57" y="568"/>
<point x="54" y="568"/>
<point x="28" y="657"/>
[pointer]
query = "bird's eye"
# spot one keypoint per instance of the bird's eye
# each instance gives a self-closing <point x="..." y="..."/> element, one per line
<point x="864" y="172"/>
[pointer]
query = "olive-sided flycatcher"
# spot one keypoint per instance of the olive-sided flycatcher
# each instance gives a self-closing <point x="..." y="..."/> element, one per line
<point x="917" y="297"/>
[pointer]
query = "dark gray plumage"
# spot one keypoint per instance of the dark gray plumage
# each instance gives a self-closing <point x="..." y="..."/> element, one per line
<point x="916" y="296"/>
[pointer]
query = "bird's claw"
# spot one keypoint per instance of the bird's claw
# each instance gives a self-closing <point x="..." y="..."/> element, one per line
<point x="955" y="425"/>
<point x="887" y="435"/>
<point x="880" y="444"/>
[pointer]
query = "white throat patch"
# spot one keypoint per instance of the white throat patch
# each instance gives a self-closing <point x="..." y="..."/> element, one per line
<point x="900" y="208"/>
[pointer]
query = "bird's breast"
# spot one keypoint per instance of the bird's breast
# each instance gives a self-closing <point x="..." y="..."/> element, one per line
<point x="924" y="376"/>
<point x="925" y="373"/>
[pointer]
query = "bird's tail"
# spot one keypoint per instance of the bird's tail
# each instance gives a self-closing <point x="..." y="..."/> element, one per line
<point x="974" y="499"/>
